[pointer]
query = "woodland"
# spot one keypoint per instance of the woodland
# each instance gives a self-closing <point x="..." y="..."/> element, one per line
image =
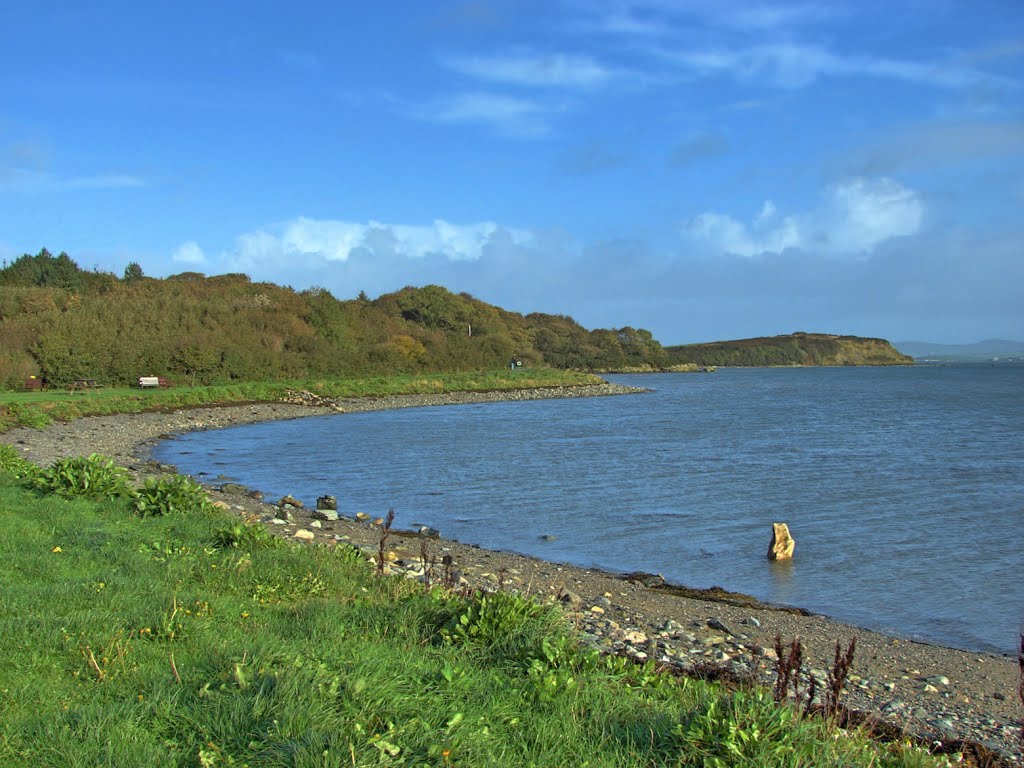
<point x="62" y="323"/>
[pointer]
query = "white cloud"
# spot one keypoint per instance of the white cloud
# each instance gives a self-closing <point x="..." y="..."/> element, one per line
<point x="189" y="253"/>
<point x="649" y="18"/>
<point x="43" y="181"/>
<point x="552" y="70"/>
<point x="509" y="115"/>
<point x="731" y="236"/>
<point x="120" y="181"/>
<point x="855" y="216"/>
<point x="332" y="240"/>
<point x="338" y="241"/>
<point x="452" y="241"/>
<point x="630" y="24"/>
<point x="790" y="65"/>
<point x="862" y="213"/>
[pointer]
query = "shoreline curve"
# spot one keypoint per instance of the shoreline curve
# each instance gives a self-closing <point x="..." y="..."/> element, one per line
<point x="935" y="692"/>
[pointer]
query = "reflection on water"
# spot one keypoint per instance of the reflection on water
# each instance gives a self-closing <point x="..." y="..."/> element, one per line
<point x="782" y="573"/>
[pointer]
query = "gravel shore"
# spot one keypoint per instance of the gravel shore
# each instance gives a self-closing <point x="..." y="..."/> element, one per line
<point x="940" y="694"/>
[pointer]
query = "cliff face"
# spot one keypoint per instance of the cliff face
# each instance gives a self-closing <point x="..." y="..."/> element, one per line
<point x="792" y="349"/>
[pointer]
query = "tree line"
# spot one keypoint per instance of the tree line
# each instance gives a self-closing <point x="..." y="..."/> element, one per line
<point x="61" y="322"/>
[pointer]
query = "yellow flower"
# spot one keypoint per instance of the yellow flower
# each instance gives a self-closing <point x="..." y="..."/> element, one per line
<point x="56" y="549"/>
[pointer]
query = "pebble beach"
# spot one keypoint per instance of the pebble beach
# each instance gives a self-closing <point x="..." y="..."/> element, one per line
<point x="940" y="695"/>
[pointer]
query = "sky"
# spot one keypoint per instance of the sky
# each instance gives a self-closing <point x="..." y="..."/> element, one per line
<point x="705" y="169"/>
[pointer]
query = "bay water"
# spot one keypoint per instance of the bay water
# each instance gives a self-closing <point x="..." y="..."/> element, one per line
<point x="903" y="486"/>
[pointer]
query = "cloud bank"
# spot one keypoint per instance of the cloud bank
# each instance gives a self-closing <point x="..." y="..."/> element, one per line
<point x="339" y="241"/>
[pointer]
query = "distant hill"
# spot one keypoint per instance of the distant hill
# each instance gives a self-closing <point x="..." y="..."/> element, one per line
<point x="979" y="351"/>
<point x="792" y="349"/>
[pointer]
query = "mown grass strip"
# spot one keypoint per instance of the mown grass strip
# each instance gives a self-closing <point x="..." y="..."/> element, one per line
<point x="37" y="409"/>
<point x="181" y="640"/>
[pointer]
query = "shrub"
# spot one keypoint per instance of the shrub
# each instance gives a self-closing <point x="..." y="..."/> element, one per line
<point x="168" y="495"/>
<point x="243" y="536"/>
<point x="508" y="625"/>
<point x="744" y="728"/>
<point x="93" y="477"/>
<point x="26" y="415"/>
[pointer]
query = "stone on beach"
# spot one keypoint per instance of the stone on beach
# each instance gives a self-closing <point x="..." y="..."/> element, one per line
<point x="782" y="545"/>
<point x="327" y="503"/>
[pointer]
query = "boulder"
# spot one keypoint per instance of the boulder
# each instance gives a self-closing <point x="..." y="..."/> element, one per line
<point x="325" y="514"/>
<point x="327" y="502"/>
<point x="289" y="501"/>
<point x="782" y="544"/>
<point x="570" y="598"/>
<point x="721" y="626"/>
<point x="646" y="579"/>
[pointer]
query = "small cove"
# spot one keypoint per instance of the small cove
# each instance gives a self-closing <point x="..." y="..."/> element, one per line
<point x="902" y="485"/>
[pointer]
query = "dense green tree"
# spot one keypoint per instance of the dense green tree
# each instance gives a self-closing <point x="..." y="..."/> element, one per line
<point x="133" y="272"/>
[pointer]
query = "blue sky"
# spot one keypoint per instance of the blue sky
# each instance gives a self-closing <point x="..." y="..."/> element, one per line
<point x="707" y="170"/>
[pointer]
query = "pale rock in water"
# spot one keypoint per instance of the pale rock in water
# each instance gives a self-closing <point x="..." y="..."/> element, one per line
<point x="782" y="545"/>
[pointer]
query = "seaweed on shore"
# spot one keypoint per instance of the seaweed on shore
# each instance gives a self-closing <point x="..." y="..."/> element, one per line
<point x="710" y="594"/>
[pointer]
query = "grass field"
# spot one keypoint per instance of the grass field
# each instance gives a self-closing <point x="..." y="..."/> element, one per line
<point x="37" y="409"/>
<point x="187" y="639"/>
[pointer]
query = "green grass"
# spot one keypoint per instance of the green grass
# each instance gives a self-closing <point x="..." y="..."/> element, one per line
<point x="37" y="409"/>
<point x="133" y="640"/>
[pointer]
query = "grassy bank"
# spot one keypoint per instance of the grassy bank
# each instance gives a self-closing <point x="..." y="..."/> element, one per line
<point x="187" y="639"/>
<point x="37" y="409"/>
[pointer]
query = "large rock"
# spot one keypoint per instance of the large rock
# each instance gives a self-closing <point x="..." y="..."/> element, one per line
<point x="329" y="503"/>
<point x="782" y="545"/>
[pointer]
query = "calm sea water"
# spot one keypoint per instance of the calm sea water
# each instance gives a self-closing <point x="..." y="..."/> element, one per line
<point x="903" y="487"/>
